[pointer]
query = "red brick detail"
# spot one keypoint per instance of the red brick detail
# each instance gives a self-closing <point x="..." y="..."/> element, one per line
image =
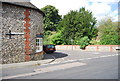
<point x="27" y="58"/>
<point x="27" y="35"/>
<point x="26" y="41"/>
<point x="97" y="48"/>
<point x="27" y="19"/>
<point x="26" y="24"/>
<point x="27" y="52"/>
<point x="26" y="30"/>
<point x="26" y="13"/>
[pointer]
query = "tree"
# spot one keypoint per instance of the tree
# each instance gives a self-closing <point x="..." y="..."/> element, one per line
<point x="51" y="18"/>
<point x="77" y="24"/>
<point x="108" y="32"/>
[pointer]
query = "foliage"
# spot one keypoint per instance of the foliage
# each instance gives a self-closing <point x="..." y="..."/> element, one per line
<point x="83" y="42"/>
<point x="48" y="36"/>
<point x="46" y="33"/>
<point x="94" y="41"/>
<point x="57" y="39"/>
<point x="108" y="32"/>
<point x="77" y="24"/>
<point x="51" y="18"/>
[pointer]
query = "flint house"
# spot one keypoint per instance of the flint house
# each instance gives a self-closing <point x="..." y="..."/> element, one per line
<point x="21" y="32"/>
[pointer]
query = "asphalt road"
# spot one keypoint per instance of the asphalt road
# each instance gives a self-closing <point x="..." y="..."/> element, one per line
<point x="71" y="65"/>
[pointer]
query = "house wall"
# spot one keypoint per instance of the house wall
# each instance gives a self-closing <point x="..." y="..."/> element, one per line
<point x="13" y="50"/>
<point x="0" y="31"/>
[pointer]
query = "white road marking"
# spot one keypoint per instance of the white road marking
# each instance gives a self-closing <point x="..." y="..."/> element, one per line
<point x="95" y="57"/>
<point x="61" y="66"/>
<point x="21" y="75"/>
<point x="103" y="56"/>
<point x="47" y="69"/>
<point x="108" y="55"/>
<point x="87" y="58"/>
<point x="96" y="53"/>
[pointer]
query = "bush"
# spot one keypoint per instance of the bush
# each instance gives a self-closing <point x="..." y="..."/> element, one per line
<point x="83" y="42"/>
<point x="110" y="40"/>
<point x="57" y="39"/>
<point x="95" y="42"/>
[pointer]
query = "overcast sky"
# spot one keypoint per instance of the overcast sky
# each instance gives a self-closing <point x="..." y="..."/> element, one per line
<point x="100" y="8"/>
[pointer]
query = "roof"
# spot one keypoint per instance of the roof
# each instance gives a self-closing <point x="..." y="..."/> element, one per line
<point x="25" y="4"/>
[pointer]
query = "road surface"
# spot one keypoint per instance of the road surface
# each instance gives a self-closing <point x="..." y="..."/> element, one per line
<point x="71" y="65"/>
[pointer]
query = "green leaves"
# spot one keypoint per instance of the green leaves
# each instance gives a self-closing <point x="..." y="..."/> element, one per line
<point x="83" y="42"/>
<point x="57" y="39"/>
<point x="108" y="32"/>
<point x="51" y="18"/>
<point x="77" y="24"/>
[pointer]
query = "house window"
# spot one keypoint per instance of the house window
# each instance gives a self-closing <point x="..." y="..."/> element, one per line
<point x="39" y="46"/>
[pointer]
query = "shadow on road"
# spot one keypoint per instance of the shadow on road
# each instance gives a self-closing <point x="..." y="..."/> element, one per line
<point x="56" y="55"/>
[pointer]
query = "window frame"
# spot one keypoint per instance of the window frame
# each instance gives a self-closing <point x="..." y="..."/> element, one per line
<point x="39" y="44"/>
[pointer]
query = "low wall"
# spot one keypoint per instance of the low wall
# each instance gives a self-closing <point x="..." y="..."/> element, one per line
<point x="110" y="48"/>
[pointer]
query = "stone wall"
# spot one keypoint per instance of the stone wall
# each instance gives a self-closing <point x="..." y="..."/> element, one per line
<point x="0" y="31"/>
<point x="35" y="28"/>
<point x="101" y="48"/>
<point x="13" y="50"/>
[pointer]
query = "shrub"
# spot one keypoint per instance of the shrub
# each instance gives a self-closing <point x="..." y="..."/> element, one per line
<point x="57" y="39"/>
<point x="83" y="42"/>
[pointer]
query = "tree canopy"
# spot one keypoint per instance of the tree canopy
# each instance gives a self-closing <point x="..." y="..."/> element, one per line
<point x="108" y="32"/>
<point x="51" y="18"/>
<point x="78" y="28"/>
<point x="77" y="24"/>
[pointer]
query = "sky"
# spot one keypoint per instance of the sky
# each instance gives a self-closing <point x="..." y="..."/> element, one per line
<point x="100" y="8"/>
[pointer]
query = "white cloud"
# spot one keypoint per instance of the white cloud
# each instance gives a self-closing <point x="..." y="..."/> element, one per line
<point x="115" y="18"/>
<point x="105" y="1"/>
<point x="67" y="5"/>
<point x="100" y="8"/>
<point x="63" y="6"/>
<point x="114" y="15"/>
<point x="15" y="0"/>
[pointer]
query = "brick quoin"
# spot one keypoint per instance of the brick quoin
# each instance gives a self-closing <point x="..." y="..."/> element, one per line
<point x="27" y="34"/>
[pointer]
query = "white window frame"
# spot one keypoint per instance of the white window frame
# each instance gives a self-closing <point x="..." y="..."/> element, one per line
<point x="39" y="44"/>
